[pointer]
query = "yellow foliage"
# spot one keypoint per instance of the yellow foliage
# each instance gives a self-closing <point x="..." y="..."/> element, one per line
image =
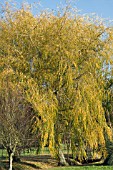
<point x="58" y="63"/>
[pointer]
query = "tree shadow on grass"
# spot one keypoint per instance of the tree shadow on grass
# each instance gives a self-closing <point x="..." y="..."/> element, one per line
<point x="30" y="164"/>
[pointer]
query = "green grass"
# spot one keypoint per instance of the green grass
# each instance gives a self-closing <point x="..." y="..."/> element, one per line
<point x="34" y="166"/>
<point x="26" y="152"/>
<point x="85" y="168"/>
<point x="3" y="153"/>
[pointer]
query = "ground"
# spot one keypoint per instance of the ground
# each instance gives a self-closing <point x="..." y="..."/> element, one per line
<point x="32" y="163"/>
<point x="46" y="162"/>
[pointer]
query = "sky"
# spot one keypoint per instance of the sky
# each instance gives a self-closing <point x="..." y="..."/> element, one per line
<point x="103" y="8"/>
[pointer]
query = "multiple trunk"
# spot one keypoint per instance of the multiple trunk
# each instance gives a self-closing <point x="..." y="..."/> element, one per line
<point x="11" y="151"/>
<point x="62" y="160"/>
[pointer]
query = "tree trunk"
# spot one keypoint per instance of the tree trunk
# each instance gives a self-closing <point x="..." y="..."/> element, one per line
<point x="62" y="160"/>
<point x="10" y="161"/>
<point x="2" y="152"/>
<point x="68" y="147"/>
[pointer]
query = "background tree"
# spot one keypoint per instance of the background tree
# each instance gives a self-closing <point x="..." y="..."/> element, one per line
<point x="15" y="118"/>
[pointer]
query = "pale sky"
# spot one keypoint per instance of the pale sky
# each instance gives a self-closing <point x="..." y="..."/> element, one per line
<point x="103" y="8"/>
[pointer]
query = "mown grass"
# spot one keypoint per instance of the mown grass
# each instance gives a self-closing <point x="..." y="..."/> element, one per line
<point x="28" y="162"/>
<point x="85" y="168"/>
<point x="26" y="152"/>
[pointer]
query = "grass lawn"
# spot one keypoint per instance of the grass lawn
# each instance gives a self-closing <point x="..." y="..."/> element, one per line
<point x="84" y="168"/>
<point x="26" y="152"/>
<point x="32" y="161"/>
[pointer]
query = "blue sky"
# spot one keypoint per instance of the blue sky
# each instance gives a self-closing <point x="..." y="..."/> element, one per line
<point x="103" y="8"/>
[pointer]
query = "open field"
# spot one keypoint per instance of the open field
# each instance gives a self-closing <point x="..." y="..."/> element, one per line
<point x="27" y="165"/>
<point x="45" y="162"/>
<point x="31" y="161"/>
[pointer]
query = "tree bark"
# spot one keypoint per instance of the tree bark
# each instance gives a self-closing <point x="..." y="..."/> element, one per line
<point x="10" y="161"/>
<point x="11" y="151"/>
<point x="62" y="160"/>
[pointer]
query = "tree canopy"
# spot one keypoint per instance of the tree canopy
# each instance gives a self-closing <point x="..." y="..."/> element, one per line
<point x="59" y="61"/>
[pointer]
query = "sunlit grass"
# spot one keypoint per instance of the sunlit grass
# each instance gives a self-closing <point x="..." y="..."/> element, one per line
<point x="85" y="168"/>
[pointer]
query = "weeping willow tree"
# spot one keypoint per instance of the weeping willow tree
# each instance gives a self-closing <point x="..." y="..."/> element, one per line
<point x="58" y="60"/>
